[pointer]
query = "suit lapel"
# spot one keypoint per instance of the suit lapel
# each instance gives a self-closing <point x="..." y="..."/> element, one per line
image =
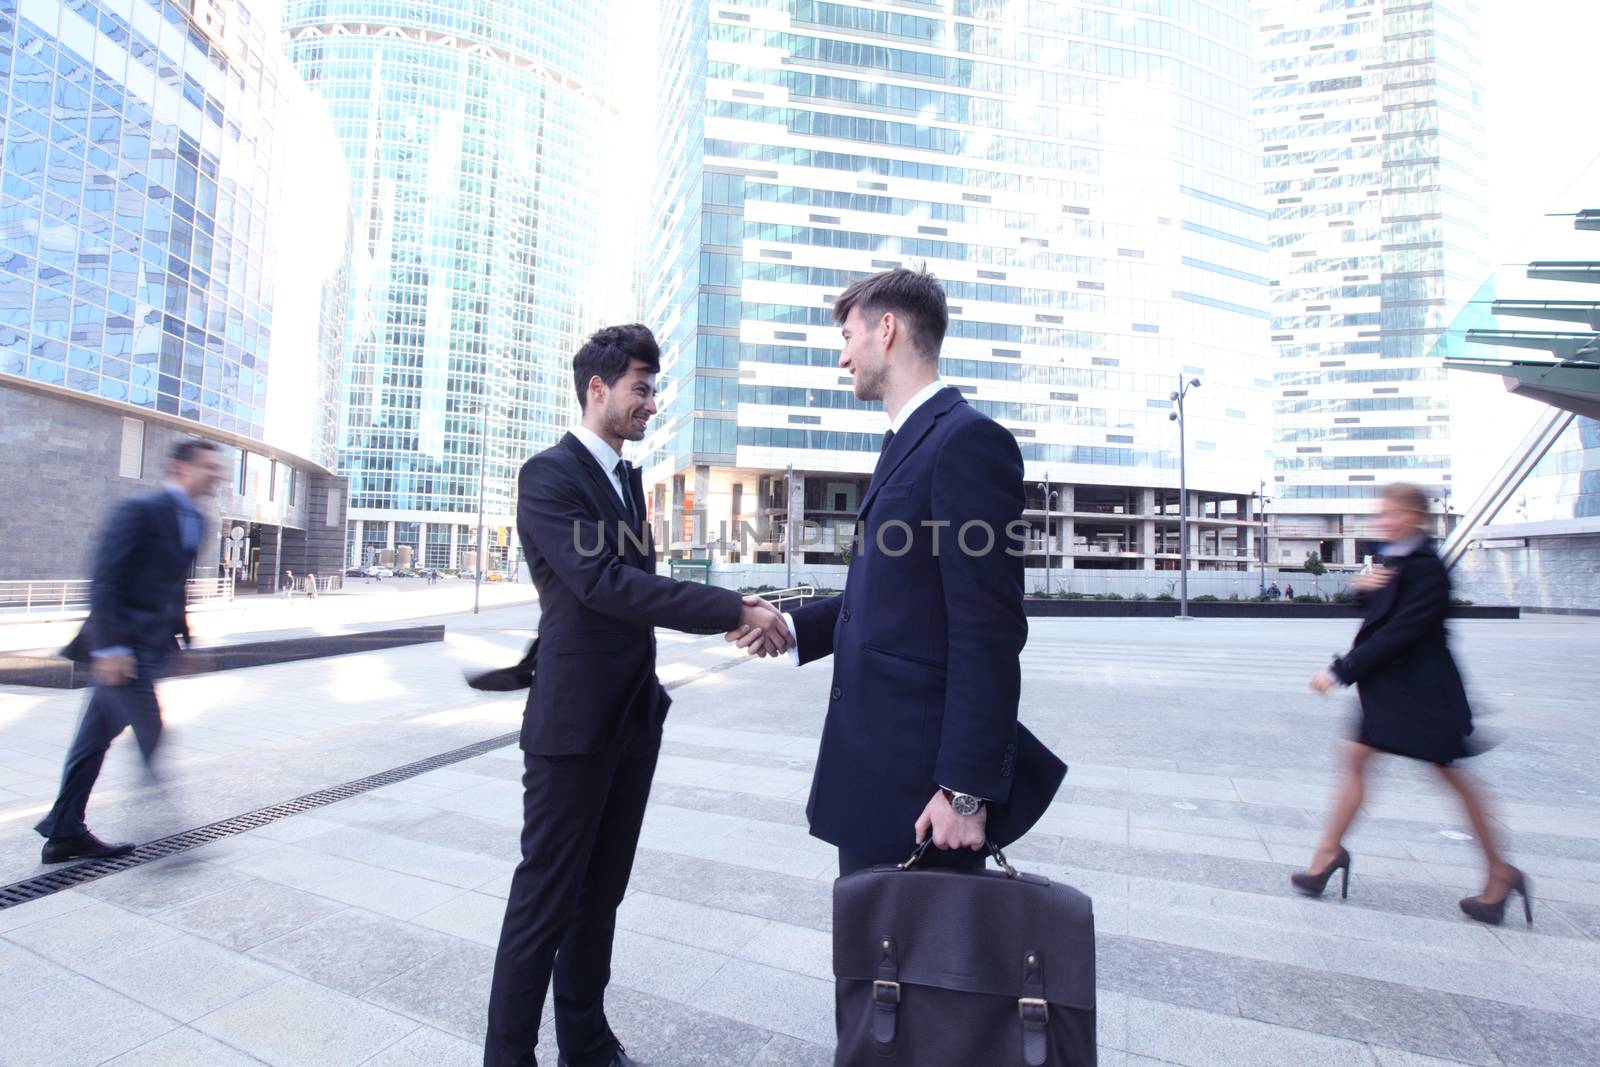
<point x="603" y="488"/>
<point x="906" y="441"/>
<point x="173" y="534"/>
<point x="601" y="480"/>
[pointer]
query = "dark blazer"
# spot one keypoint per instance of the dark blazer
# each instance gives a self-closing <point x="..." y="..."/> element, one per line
<point x="137" y="596"/>
<point x="599" y="601"/>
<point x="1412" y="700"/>
<point x="925" y="643"/>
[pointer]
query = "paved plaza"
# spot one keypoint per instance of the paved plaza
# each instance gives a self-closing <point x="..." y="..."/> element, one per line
<point x="363" y="932"/>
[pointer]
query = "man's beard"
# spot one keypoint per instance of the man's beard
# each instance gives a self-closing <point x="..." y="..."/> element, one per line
<point x="869" y="384"/>
<point x="621" y="424"/>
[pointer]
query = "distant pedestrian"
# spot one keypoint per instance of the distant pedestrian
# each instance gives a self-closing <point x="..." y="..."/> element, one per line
<point x="1288" y="592"/>
<point x="136" y="617"/>
<point x="1273" y="591"/>
<point x="288" y="585"/>
<point x="311" y="586"/>
<point x="1412" y="701"/>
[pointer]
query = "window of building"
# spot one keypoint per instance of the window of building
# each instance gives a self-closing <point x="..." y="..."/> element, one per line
<point x="132" y="461"/>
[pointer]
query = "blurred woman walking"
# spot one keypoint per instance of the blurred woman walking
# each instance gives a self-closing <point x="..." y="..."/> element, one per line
<point x="1412" y="701"/>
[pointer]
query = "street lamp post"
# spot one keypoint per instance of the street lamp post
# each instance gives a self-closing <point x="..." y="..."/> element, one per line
<point x="1262" y="495"/>
<point x="1183" y="496"/>
<point x="1049" y="505"/>
<point x="483" y="465"/>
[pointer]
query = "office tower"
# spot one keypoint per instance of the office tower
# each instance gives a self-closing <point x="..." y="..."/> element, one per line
<point x="163" y="273"/>
<point x="1083" y="181"/>
<point x="476" y="140"/>
<point x="1372" y="130"/>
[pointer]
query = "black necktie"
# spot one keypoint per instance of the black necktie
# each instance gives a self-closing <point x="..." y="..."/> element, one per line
<point x="888" y="436"/>
<point x="627" y="491"/>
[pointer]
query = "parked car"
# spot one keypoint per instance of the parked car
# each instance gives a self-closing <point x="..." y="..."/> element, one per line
<point x="378" y="572"/>
<point x="356" y="572"/>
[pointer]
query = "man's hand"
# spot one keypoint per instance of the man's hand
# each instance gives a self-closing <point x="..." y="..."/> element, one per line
<point x="1323" y="681"/>
<point x="761" y="630"/>
<point x="951" y="830"/>
<point x="1373" y="580"/>
<point x="113" y="670"/>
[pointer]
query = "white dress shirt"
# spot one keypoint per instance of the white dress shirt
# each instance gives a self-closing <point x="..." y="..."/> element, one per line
<point x="603" y="454"/>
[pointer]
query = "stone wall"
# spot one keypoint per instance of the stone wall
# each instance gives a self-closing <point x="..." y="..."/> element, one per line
<point x="1554" y="574"/>
<point x="60" y="474"/>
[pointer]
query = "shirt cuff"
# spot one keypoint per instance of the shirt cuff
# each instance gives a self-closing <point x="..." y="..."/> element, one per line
<point x="794" y="640"/>
<point x="114" y="650"/>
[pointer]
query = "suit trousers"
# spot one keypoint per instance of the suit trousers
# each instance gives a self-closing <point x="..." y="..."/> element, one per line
<point x="581" y="820"/>
<point x="112" y="709"/>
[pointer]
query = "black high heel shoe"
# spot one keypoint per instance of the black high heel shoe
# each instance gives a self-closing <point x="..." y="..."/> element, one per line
<point x="1312" y="885"/>
<point x="1495" y="914"/>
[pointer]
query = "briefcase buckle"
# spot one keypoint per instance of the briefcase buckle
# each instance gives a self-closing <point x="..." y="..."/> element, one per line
<point x="882" y="987"/>
<point x="1043" y="1006"/>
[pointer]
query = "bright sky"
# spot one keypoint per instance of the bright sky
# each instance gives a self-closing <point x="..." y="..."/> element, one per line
<point x="1539" y="83"/>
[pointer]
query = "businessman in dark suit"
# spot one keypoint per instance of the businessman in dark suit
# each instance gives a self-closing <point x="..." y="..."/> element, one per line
<point x="921" y="737"/>
<point x="592" y="727"/>
<point x="136" y="616"/>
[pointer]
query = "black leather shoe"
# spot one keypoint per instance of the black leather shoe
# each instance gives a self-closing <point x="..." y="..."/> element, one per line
<point x="85" y="846"/>
<point x="618" y="1059"/>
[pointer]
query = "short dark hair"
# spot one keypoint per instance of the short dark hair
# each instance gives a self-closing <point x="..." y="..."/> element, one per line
<point x="913" y="296"/>
<point x="1407" y="496"/>
<point x="188" y="449"/>
<point x="610" y="352"/>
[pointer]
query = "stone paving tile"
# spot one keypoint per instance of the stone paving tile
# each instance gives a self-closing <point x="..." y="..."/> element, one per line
<point x="183" y="1047"/>
<point x="779" y="1001"/>
<point x="74" y="1023"/>
<point x="1169" y="1033"/>
<point x="426" y="1047"/>
<point x="100" y="931"/>
<point x="250" y="914"/>
<point x="399" y="896"/>
<point x="1185" y="844"/>
<point x="164" y="884"/>
<point x="22" y="971"/>
<point x="803" y="901"/>
<point x="353" y="951"/>
<point x="449" y="991"/>
<point x="472" y="916"/>
<point x="295" y="1023"/>
<point x="711" y="929"/>
<point x="184" y="978"/>
<point x="1526" y="1037"/>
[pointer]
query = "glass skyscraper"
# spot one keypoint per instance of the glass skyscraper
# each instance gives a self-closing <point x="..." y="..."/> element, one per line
<point x="475" y="136"/>
<point x="147" y="207"/>
<point x="1082" y="180"/>
<point x="1371" y="122"/>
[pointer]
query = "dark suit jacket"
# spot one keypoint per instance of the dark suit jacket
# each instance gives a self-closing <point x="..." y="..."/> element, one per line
<point x="599" y="601"/>
<point x="1412" y="699"/>
<point x="925" y="642"/>
<point x="136" y="599"/>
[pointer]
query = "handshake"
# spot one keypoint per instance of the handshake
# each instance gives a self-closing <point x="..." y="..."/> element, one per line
<point x="762" y="630"/>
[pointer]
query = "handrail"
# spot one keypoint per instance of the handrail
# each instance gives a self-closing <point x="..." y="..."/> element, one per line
<point x="63" y="594"/>
<point x="799" y="592"/>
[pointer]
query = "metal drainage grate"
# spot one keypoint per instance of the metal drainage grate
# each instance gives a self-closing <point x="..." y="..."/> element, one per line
<point x="55" y="881"/>
<point x="78" y="874"/>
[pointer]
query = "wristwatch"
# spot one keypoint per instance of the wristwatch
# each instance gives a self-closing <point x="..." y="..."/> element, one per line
<point x="963" y="803"/>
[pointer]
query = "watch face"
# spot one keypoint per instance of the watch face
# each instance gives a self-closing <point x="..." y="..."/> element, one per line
<point x="965" y="805"/>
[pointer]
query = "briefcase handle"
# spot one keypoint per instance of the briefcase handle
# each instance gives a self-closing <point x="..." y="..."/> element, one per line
<point x="989" y="846"/>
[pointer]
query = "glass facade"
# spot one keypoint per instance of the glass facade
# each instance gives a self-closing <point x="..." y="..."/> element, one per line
<point x="1083" y="182"/>
<point x="141" y="207"/>
<point x="474" y="135"/>
<point x="1371" y="125"/>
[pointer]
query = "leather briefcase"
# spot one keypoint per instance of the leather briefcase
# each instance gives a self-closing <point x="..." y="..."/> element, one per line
<point x="936" y="967"/>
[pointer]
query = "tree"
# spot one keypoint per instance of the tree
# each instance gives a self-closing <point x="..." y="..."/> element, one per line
<point x="1314" y="565"/>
